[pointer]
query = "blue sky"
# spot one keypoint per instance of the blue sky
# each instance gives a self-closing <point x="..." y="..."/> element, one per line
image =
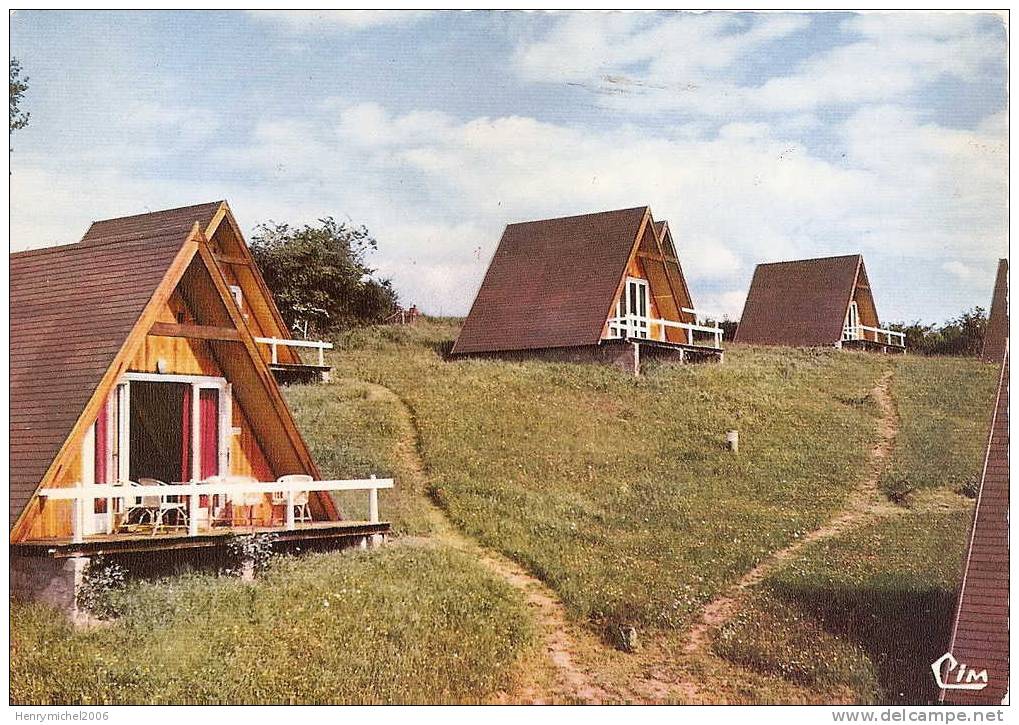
<point x="760" y="137"/>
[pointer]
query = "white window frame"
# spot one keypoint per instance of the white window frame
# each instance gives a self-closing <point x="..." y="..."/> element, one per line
<point x="626" y="327"/>
<point x="851" y="327"/>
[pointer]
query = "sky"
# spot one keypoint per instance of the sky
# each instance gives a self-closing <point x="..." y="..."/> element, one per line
<point x="759" y="136"/>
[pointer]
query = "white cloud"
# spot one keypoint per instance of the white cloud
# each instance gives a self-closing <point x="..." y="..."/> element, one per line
<point x="436" y="191"/>
<point x="695" y="63"/>
<point x="331" y="20"/>
<point x="959" y="270"/>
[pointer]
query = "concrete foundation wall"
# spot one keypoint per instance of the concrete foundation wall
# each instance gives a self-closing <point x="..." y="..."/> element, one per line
<point x="621" y="354"/>
<point x="44" y="579"/>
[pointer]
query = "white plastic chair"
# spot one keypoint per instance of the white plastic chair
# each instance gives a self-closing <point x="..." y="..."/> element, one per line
<point x="301" y="511"/>
<point x="158" y="506"/>
<point x="245" y="499"/>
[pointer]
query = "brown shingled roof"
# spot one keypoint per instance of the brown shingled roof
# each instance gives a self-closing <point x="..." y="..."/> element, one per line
<point x="165" y="221"/>
<point x="552" y="282"/>
<point x="996" y="333"/>
<point x="980" y="632"/>
<point x="800" y="303"/>
<point x="72" y="307"/>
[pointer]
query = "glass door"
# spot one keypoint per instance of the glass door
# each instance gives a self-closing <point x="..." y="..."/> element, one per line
<point x="637" y="298"/>
<point x="851" y="330"/>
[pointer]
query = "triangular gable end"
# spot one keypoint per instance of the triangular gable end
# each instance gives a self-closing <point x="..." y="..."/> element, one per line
<point x="638" y="240"/>
<point x="667" y="286"/>
<point x="864" y="297"/>
<point x="675" y="270"/>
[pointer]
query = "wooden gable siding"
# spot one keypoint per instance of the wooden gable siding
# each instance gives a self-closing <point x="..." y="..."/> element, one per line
<point x="182" y="356"/>
<point x="980" y="636"/>
<point x="269" y="443"/>
<point x="864" y="299"/>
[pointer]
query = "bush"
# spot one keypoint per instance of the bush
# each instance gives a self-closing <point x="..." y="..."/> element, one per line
<point x="256" y="548"/>
<point x="102" y="581"/>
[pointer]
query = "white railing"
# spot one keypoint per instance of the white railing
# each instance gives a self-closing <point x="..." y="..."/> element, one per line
<point x="275" y="343"/>
<point x="81" y="495"/>
<point x="634" y="325"/>
<point x="857" y="333"/>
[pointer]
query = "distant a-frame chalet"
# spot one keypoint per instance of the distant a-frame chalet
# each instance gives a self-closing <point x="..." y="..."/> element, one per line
<point x="143" y="413"/>
<point x="604" y="287"/>
<point x="825" y="302"/>
<point x="996" y="334"/>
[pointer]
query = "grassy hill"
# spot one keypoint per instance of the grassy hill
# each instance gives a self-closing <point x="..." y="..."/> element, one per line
<point x="616" y="492"/>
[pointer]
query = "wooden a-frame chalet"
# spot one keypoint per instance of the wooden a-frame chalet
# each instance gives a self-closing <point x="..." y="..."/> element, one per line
<point x="603" y="287"/>
<point x="144" y="415"/>
<point x="813" y="303"/>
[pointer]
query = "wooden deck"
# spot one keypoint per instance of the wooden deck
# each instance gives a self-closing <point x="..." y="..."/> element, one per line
<point x="175" y="539"/>
<point x="287" y="373"/>
<point x="677" y="351"/>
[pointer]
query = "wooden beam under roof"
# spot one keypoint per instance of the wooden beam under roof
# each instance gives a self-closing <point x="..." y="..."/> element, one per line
<point x="234" y="259"/>
<point x="195" y="332"/>
<point x="656" y="257"/>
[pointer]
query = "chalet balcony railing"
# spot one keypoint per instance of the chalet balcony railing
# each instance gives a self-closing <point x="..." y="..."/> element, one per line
<point x="84" y="497"/>
<point x="275" y="343"/>
<point x="640" y="327"/>
<point x="858" y="332"/>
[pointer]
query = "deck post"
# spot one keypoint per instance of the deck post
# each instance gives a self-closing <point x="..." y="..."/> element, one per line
<point x="373" y="503"/>
<point x="290" y="510"/>
<point x="77" y="521"/>
<point x="275" y="357"/>
<point x="321" y="355"/>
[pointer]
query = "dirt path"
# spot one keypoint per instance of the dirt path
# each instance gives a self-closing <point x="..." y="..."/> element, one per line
<point x="577" y="667"/>
<point x="559" y="678"/>
<point x="863" y="502"/>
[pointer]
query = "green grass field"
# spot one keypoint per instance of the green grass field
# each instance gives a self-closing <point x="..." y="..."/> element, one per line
<point x="617" y="492"/>
<point x="403" y="624"/>
<point x="869" y="610"/>
<point x="945" y="406"/>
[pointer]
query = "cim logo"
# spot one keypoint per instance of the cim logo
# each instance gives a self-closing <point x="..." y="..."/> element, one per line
<point x="957" y="676"/>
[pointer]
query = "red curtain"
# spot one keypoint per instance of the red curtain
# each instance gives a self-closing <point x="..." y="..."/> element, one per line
<point x="185" y="443"/>
<point x="102" y="451"/>
<point x="208" y="412"/>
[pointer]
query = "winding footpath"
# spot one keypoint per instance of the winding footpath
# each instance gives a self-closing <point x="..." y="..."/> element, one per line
<point x="578" y="667"/>
<point x="863" y="502"/>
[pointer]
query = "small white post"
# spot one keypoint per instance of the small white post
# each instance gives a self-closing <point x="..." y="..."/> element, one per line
<point x="77" y="520"/>
<point x="373" y="503"/>
<point x="290" y="510"/>
<point x="321" y="354"/>
<point x="275" y="357"/>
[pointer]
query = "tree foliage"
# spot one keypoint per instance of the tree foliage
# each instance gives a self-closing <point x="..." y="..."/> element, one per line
<point x="19" y="85"/>
<point x="319" y="275"/>
<point x="961" y="336"/>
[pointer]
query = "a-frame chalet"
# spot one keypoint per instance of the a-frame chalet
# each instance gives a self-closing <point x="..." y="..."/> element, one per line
<point x="604" y="287"/>
<point x="144" y="416"/>
<point x="814" y="303"/>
